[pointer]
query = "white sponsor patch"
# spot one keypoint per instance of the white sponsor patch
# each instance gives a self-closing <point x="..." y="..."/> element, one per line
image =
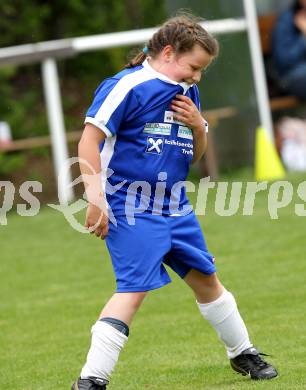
<point x="157" y="128"/>
<point x="184" y="132"/>
<point x="169" y="118"/>
<point x="155" y="145"/>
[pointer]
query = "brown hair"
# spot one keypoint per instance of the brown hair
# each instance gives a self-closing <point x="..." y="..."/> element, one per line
<point x="182" y="33"/>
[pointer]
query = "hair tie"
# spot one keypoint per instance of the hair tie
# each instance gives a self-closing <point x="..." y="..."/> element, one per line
<point x="145" y="50"/>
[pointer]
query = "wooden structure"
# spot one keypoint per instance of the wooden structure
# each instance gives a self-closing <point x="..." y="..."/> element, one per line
<point x="266" y="24"/>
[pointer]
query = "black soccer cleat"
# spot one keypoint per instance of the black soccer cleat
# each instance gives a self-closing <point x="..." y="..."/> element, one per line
<point x="90" y="384"/>
<point x="250" y="363"/>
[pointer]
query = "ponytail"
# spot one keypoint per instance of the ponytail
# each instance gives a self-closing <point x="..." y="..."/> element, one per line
<point x="137" y="60"/>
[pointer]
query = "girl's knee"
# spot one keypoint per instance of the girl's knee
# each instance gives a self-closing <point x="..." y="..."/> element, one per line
<point x="207" y="288"/>
<point x="211" y="280"/>
<point x="136" y="298"/>
<point x="197" y="278"/>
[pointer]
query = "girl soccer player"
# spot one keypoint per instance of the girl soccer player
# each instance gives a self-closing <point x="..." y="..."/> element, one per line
<point x="147" y="121"/>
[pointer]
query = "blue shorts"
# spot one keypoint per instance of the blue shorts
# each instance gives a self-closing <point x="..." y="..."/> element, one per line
<point x="139" y="252"/>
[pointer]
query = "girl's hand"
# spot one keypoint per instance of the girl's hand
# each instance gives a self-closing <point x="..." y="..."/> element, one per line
<point x="187" y="112"/>
<point x="96" y="221"/>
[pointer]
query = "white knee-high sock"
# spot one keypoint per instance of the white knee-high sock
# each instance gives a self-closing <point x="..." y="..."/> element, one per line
<point x="224" y="316"/>
<point x="106" y="344"/>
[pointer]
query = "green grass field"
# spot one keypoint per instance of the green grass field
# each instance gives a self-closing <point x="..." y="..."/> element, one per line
<point x="54" y="282"/>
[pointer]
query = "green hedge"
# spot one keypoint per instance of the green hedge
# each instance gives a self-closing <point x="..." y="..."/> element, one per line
<point x="22" y="102"/>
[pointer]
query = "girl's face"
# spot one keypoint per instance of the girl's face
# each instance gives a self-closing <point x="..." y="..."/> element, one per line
<point x="188" y="67"/>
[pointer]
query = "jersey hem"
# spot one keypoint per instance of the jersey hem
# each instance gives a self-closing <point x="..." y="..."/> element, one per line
<point x="166" y="213"/>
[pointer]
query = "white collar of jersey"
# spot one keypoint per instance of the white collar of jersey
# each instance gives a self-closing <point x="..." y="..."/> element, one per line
<point x="163" y="77"/>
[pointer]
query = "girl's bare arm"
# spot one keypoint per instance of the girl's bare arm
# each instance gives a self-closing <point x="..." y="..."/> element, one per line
<point x="90" y="166"/>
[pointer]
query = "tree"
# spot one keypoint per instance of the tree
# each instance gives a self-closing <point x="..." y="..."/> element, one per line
<point x="24" y="22"/>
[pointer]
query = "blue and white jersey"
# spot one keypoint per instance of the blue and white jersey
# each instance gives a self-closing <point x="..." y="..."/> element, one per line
<point x="146" y="151"/>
